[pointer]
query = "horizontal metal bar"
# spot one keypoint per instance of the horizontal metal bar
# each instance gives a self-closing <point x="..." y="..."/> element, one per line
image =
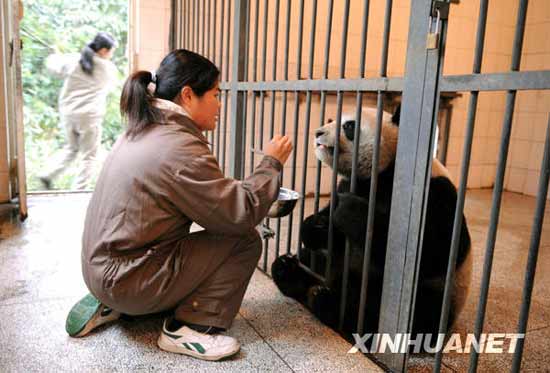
<point x="375" y="84"/>
<point x="521" y="80"/>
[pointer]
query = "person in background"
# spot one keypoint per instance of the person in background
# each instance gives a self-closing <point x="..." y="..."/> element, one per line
<point x="88" y="79"/>
<point x="138" y="254"/>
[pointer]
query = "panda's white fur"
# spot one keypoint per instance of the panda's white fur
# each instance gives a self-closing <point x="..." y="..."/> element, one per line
<point x="388" y="145"/>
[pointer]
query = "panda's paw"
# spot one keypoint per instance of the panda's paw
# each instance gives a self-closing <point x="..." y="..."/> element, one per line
<point x="288" y="276"/>
<point x="321" y="302"/>
<point x="315" y="231"/>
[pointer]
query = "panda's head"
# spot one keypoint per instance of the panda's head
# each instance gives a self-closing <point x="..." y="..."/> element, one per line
<point x="325" y="141"/>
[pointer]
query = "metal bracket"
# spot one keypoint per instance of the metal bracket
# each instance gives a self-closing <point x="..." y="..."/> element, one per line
<point x="441" y="6"/>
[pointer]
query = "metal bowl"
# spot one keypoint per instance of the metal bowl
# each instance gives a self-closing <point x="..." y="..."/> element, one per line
<point x="284" y="204"/>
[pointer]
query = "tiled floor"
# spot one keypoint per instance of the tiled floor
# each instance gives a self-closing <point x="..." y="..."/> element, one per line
<point x="40" y="279"/>
<point x="507" y="279"/>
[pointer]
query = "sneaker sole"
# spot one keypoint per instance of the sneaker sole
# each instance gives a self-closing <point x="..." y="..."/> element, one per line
<point x="84" y="315"/>
<point x="167" y="345"/>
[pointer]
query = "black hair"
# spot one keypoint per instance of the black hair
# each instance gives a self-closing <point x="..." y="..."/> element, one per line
<point x="101" y="40"/>
<point x="178" y="69"/>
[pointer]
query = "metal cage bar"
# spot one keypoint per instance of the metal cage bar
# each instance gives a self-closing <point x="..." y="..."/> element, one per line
<point x="262" y="109"/>
<point x="307" y="121"/>
<point x="339" y="99"/>
<point x="499" y="182"/>
<point x="296" y="123"/>
<point x="357" y="133"/>
<point x="457" y="224"/>
<point x="283" y="112"/>
<point x="533" y="250"/>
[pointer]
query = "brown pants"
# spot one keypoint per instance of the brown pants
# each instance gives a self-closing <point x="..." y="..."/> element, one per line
<point x="203" y="279"/>
<point x="215" y="276"/>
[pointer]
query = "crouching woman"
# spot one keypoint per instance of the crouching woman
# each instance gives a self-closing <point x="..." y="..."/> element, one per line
<point x="138" y="255"/>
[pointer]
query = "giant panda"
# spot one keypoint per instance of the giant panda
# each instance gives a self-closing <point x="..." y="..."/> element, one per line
<point x="350" y="220"/>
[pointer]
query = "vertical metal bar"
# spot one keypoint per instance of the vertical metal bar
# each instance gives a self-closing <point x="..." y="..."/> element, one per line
<point x="208" y="54"/>
<point x="357" y="133"/>
<point x="283" y="115"/>
<point x="255" y="78"/>
<point x="187" y="24"/>
<point x="238" y="116"/>
<point x="194" y="26"/>
<point x="296" y="118"/>
<point x="410" y="181"/>
<point x="435" y="65"/>
<point x="214" y="33"/>
<point x="323" y="100"/>
<point x="245" y="78"/>
<point x="262" y="108"/>
<point x="274" y="77"/>
<point x="174" y="36"/>
<point x="374" y="166"/>
<point x="345" y="275"/>
<point x="214" y="60"/>
<point x="534" y="245"/>
<point x="197" y="26"/>
<point x="220" y="66"/>
<point x="307" y="120"/>
<point x="457" y="224"/>
<point x="208" y="29"/>
<point x="499" y="180"/>
<point x="199" y="31"/>
<point x="184" y="26"/>
<point x="227" y="46"/>
<point x="202" y="33"/>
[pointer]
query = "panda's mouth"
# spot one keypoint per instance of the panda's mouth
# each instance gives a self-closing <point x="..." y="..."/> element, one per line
<point x="328" y="149"/>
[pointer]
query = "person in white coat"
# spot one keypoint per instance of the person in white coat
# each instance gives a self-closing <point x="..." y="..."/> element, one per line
<point x="89" y="77"/>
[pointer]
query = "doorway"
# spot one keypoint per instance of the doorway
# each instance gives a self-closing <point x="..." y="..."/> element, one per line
<point x="65" y="27"/>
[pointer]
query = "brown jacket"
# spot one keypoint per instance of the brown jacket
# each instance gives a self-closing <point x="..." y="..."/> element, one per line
<point x="150" y="190"/>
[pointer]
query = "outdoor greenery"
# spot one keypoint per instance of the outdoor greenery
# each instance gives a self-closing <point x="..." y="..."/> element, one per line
<point x="65" y="26"/>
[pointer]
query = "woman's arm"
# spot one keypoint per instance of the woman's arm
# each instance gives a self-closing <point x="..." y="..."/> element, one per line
<point x="60" y="65"/>
<point x="224" y="205"/>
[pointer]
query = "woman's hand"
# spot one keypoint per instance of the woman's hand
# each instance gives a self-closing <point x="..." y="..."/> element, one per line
<point x="279" y="148"/>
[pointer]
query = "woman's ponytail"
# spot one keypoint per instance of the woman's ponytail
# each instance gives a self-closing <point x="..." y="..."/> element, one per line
<point x="87" y="59"/>
<point x="136" y="103"/>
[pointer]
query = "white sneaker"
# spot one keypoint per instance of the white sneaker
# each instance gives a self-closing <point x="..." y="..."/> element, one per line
<point x="202" y="346"/>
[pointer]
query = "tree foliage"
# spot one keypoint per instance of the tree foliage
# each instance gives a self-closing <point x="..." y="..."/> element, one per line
<point x="66" y="26"/>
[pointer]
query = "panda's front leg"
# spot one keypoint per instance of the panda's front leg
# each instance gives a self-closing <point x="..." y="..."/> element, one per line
<point x="314" y="229"/>
<point x="350" y="217"/>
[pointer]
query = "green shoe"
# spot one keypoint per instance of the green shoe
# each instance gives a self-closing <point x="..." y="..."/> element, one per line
<point x="87" y="315"/>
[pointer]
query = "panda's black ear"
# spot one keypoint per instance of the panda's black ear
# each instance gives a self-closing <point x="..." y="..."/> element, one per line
<point x="396" y="115"/>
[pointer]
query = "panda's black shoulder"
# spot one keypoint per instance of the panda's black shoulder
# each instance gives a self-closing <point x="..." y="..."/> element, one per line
<point x="443" y="189"/>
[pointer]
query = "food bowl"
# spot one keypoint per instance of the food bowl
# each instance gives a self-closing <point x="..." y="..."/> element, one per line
<point x="285" y="203"/>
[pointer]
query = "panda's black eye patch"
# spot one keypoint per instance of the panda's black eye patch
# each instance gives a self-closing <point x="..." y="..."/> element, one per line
<point x="349" y="129"/>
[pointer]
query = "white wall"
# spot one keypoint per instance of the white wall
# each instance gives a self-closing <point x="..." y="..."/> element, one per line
<point x="152" y="28"/>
